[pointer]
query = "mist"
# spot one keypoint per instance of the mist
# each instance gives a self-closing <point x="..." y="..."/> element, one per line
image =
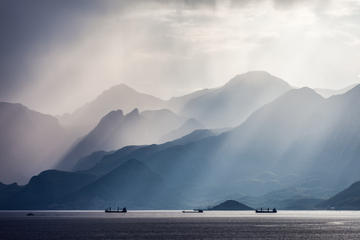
<point x="68" y="52"/>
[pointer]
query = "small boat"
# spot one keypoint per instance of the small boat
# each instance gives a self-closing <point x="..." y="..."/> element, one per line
<point x="109" y="210"/>
<point x="193" y="211"/>
<point x="266" y="210"/>
<point x="30" y="214"/>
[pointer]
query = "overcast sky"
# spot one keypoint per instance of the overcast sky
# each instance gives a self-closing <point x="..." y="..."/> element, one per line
<point x="57" y="55"/>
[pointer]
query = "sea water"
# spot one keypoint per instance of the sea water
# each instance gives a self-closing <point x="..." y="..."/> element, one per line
<point x="178" y="225"/>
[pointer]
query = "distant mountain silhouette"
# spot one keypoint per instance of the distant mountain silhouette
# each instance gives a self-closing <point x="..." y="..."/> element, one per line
<point x="132" y="184"/>
<point x="226" y="106"/>
<point x="349" y="199"/>
<point x="229" y="105"/>
<point x="118" y="97"/>
<point x="336" y="128"/>
<point x="284" y="143"/>
<point x="30" y="142"/>
<point x="6" y="194"/>
<point x="99" y="187"/>
<point x="231" y="205"/>
<point x="46" y="189"/>
<point x="330" y="92"/>
<point x="203" y="167"/>
<point x="116" y="130"/>
<point x="300" y="142"/>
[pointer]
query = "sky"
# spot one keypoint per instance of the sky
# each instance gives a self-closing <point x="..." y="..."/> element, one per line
<point x="57" y="55"/>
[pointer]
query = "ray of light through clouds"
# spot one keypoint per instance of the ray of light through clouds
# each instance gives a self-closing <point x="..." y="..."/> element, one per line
<point x="169" y="48"/>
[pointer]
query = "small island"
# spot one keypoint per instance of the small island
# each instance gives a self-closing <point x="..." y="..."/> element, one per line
<point x="231" y="205"/>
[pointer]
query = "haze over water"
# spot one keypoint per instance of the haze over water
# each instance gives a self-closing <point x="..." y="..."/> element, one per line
<point x="176" y="225"/>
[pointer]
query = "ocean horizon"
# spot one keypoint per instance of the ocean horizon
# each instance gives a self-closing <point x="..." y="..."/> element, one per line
<point x="173" y="224"/>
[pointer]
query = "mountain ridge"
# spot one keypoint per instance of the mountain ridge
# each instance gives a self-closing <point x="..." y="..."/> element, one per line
<point x="231" y="104"/>
<point x="24" y="132"/>
<point x="348" y="199"/>
<point x="117" y="97"/>
<point x="116" y="130"/>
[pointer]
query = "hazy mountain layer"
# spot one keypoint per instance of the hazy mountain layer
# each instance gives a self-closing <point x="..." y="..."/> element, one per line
<point x="349" y="199"/>
<point x="118" y="97"/>
<point x="46" y="189"/>
<point x="116" y="130"/>
<point x="115" y="159"/>
<point x="287" y="142"/>
<point x="111" y="182"/>
<point x="226" y="106"/>
<point x="229" y="105"/>
<point x="132" y="184"/>
<point x="298" y="139"/>
<point x="30" y="142"/>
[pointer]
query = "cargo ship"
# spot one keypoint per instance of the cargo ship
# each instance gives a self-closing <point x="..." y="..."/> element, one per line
<point x="266" y="210"/>
<point x="118" y="210"/>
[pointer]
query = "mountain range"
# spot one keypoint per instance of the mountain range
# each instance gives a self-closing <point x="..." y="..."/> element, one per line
<point x="225" y="106"/>
<point x="116" y="130"/>
<point x="231" y="104"/>
<point x="290" y="146"/>
<point x="267" y="152"/>
<point x="120" y="97"/>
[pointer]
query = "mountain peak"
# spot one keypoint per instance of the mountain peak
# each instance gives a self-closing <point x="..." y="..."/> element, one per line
<point x="112" y="116"/>
<point x="261" y="78"/>
<point x="303" y="93"/>
<point x="116" y="112"/>
<point x="120" y="87"/>
<point x="133" y="113"/>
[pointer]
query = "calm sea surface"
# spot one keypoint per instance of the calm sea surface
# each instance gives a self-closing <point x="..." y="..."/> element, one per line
<point x="177" y="225"/>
